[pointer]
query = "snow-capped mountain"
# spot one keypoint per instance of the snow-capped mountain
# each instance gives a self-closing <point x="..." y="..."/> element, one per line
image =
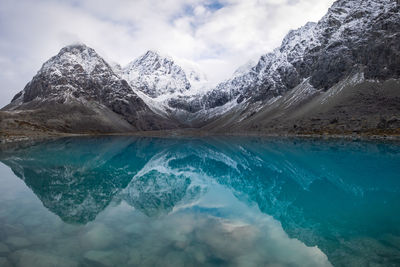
<point x="354" y="36"/>
<point x="357" y="41"/>
<point x="65" y="75"/>
<point x="156" y="75"/>
<point x="79" y="80"/>
<point x="158" y="79"/>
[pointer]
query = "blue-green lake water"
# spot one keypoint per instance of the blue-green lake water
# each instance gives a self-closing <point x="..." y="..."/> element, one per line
<point x="127" y="201"/>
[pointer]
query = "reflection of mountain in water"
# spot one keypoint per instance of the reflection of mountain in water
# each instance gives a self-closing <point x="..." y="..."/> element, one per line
<point x="324" y="193"/>
<point x="77" y="178"/>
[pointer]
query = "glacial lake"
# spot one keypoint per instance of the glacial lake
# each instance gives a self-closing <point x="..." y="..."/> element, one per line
<point x="130" y="201"/>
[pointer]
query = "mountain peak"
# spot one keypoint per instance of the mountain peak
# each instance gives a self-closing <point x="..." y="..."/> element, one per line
<point x="76" y="45"/>
<point x="153" y="53"/>
<point x="152" y="59"/>
<point x="78" y="57"/>
<point x="77" y="48"/>
<point x="156" y="75"/>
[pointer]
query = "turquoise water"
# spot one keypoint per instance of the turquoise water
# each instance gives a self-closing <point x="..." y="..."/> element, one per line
<point x="125" y="201"/>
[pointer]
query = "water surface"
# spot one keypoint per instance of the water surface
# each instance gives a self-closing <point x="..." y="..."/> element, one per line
<point x="125" y="201"/>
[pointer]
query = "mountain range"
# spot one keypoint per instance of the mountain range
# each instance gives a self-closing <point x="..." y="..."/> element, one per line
<point x="337" y="76"/>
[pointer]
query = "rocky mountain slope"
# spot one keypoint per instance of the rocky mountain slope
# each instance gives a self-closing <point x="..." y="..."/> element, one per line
<point x="339" y="75"/>
<point x="352" y="106"/>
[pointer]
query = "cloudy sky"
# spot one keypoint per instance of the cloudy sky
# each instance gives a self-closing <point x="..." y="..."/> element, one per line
<point x="217" y="35"/>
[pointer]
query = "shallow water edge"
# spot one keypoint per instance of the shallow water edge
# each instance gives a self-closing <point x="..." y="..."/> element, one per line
<point x="6" y="139"/>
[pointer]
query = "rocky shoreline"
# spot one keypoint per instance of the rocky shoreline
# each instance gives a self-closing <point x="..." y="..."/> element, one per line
<point x="10" y="140"/>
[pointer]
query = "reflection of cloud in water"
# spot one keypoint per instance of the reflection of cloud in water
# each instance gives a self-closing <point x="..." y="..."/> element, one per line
<point x="193" y="238"/>
<point x="214" y="229"/>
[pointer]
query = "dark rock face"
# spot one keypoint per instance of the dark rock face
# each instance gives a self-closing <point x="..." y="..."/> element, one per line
<point x="79" y="75"/>
<point x="367" y="35"/>
<point x="183" y="103"/>
<point x="353" y="34"/>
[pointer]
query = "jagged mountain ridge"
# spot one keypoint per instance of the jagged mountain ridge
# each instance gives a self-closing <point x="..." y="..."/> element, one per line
<point x="353" y="34"/>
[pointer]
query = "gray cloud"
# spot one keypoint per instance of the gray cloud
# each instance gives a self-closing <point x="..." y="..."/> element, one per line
<point x="218" y="36"/>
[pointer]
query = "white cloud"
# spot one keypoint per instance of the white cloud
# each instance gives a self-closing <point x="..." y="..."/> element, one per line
<point x="218" y="35"/>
